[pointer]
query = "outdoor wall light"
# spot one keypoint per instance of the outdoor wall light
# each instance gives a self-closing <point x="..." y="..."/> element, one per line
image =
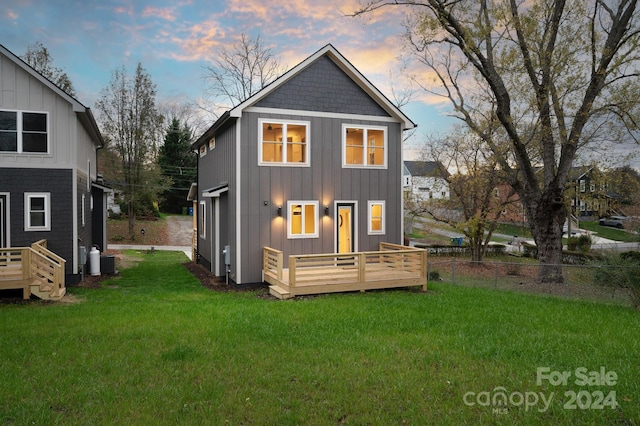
<point x="326" y="210"/>
<point x="279" y="210"/>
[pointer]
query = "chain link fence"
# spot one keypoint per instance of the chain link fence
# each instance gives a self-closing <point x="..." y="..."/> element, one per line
<point x="581" y="282"/>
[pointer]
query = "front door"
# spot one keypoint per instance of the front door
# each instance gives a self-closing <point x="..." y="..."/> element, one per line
<point x="4" y="221"/>
<point x="346" y="228"/>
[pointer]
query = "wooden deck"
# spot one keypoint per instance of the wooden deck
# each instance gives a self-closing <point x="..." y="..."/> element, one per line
<point x="35" y="270"/>
<point x="393" y="266"/>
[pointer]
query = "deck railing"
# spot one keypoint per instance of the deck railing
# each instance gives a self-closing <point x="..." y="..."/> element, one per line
<point x="272" y="262"/>
<point x="392" y="264"/>
<point x="20" y="267"/>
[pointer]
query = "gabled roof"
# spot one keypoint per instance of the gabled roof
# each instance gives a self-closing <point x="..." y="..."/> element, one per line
<point x="84" y="114"/>
<point x="342" y="63"/>
<point x="426" y="168"/>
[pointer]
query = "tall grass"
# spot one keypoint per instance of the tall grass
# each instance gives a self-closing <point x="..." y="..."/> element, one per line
<point x="154" y="347"/>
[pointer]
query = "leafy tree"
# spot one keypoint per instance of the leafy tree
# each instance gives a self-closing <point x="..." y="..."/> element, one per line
<point x="178" y="163"/>
<point x="475" y="206"/>
<point x="130" y="123"/>
<point x="39" y="58"/>
<point x="239" y="70"/>
<point x="556" y="75"/>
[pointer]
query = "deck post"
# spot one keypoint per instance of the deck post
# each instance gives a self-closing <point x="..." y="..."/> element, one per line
<point x="423" y="269"/>
<point x="292" y="271"/>
<point x="280" y="264"/>
<point x="362" y="263"/>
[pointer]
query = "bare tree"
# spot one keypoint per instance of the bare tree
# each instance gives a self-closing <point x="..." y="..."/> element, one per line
<point x="39" y="58"/>
<point x="556" y="75"/>
<point x="240" y="70"/>
<point x="132" y="126"/>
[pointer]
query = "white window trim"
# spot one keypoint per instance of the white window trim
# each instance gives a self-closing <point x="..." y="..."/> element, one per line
<point x="364" y="164"/>
<point x="47" y="211"/>
<point x="212" y="144"/>
<point x="369" y="217"/>
<point x="316" y="205"/>
<point x="82" y="207"/>
<point x="284" y="163"/>
<point x="202" y="151"/>
<point x="202" y="220"/>
<point x="19" y="114"/>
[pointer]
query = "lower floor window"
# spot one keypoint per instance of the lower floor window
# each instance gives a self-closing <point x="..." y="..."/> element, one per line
<point x="302" y="219"/>
<point x="376" y="217"/>
<point x="37" y="211"/>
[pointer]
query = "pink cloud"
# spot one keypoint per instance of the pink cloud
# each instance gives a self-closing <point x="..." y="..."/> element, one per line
<point x="11" y="14"/>
<point x="164" y="13"/>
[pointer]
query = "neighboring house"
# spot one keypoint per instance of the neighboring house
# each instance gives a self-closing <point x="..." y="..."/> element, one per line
<point x="590" y="195"/>
<point x="48" y="151"/>
<point x="310" y="164"/>
<point x="426" y="180"/>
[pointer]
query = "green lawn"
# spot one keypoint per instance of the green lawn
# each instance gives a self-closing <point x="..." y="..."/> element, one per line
<point x="609" y="232"/>
<point x="154" y="347"/>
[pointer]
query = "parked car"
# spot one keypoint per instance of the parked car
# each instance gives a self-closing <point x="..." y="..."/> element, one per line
<point x="614" y="222"/>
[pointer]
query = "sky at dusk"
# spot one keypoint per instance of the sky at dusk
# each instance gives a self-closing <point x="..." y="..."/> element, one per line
<point x="176" y="39"/>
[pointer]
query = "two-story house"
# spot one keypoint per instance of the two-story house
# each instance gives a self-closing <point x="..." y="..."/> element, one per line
<point x="426" y="180"/>
<point x="310" y="164"/>
<point x="48" y="157"/>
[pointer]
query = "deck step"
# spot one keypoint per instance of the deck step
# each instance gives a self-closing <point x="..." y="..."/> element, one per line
<point x="279" y="292"/>
<point x="43" y="291"/>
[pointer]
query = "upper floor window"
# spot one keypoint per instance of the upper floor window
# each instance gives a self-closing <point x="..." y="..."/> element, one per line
<point x="37" y="211"/>
<point x="283" y="143"/>
<point x="364" y="146"/>
<point x="203" y="150"/>
<point x="24" y="132"/>
<point x="583" y="185"/>
<point x="212" y="143"/>
<point x="303" y="219"/>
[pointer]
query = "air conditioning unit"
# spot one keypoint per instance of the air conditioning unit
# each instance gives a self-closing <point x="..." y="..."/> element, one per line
<point x="108" y="264"/>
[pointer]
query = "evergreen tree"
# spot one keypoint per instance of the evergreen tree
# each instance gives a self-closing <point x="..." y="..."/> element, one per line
<point x="177" y="163"/>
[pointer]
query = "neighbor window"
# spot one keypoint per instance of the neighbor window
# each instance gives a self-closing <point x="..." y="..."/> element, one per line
<point x="203" y="150"/>
<point x="583" y="185"/>
<point x="23" y="132"/>
<point x="364" y="146"/>
<point x="202" y="219"/>
<point x="283" y="143"/>
<point x="376" y="217"/>
<point x="37" y="211"/>
<point x="212" y="143"/>
<point x="302" y="219"/>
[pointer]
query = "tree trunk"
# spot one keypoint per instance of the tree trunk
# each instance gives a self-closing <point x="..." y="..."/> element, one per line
<point x="546" y="228"/>
<point x="131" y="214"/>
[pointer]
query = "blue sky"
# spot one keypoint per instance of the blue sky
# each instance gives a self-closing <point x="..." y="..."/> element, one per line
<point x="175" y="39"/>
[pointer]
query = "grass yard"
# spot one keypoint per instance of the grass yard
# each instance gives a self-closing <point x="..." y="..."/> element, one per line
<point x="609" y="232"/>
<point x="155" y="347"/>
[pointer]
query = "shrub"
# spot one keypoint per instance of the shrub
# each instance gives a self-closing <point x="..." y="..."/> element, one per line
<point x="620" y="271"/>
<point x="572" y="243"/>
<point x="584" y="243"/>
<point x="434" y="276"/>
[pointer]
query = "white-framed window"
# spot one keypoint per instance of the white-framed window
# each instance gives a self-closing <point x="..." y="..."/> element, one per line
<point x="283" y="142"/>
<point x="203" y="150"/>
<point x="24" y="132"/>
<point x="583" y="185"/>
<point x="376" y="217"/>
<point x="37" y="211"/>
<point x="364" y="146"/>
<point x="302" y="219"/>
<point x="592" y="187"/>
<point x="212" y="143"/>
<point x="202" y="219"/>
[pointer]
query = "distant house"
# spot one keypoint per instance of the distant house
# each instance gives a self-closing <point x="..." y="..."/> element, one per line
<point x="48" y="157"/>
<point x="426" y="180"/>
<point x="590" y="193"/>
<point x="310" y="164"/>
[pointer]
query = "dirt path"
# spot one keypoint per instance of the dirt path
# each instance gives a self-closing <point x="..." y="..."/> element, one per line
<point x="179" y="230"/>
